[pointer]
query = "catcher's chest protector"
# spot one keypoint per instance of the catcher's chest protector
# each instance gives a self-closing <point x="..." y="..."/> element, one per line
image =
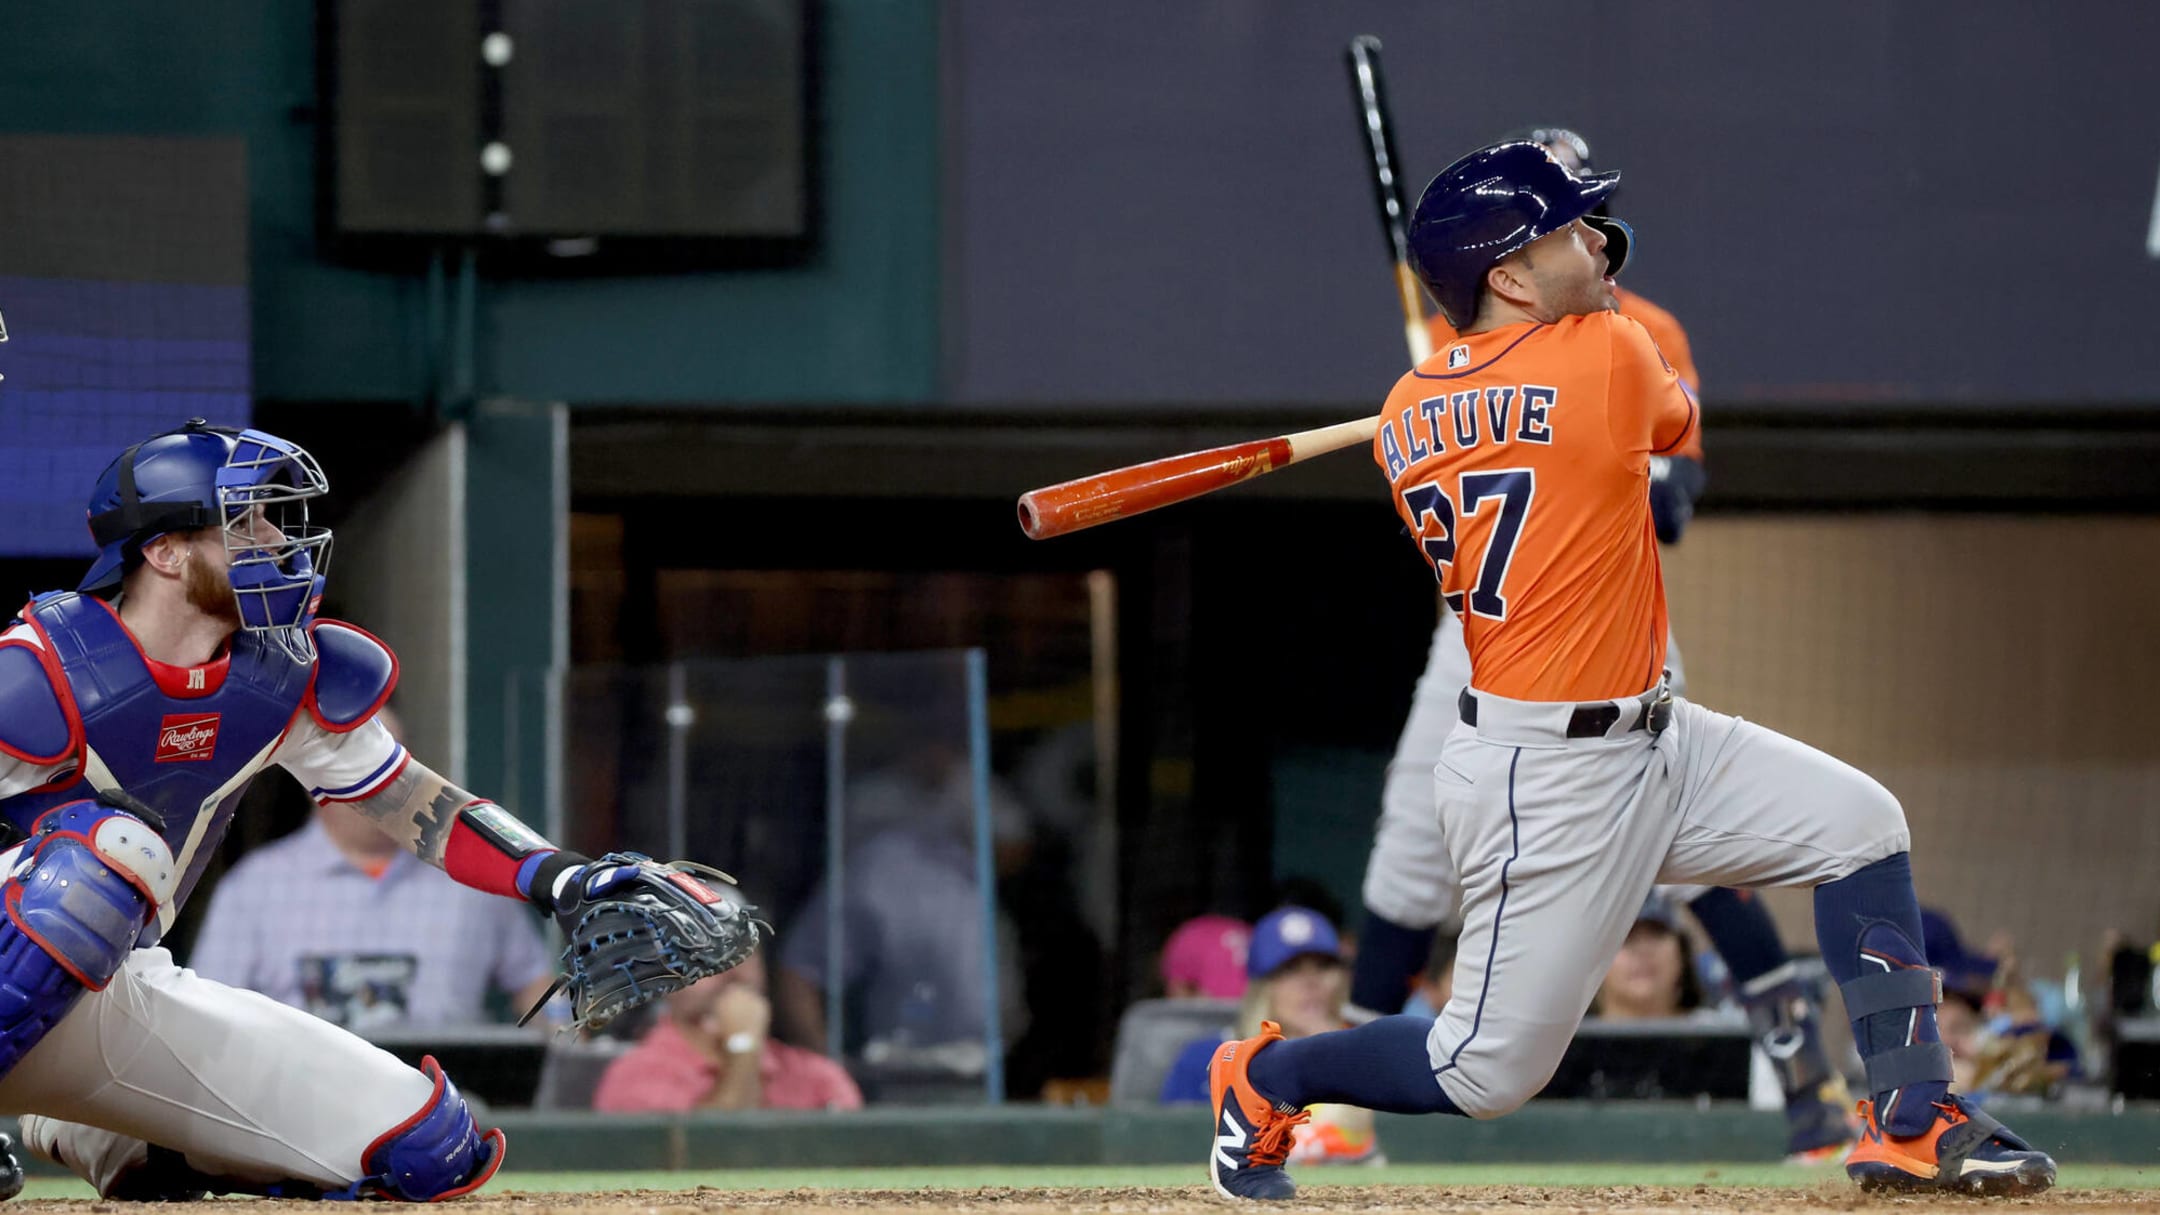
<point x="184" y="752"/>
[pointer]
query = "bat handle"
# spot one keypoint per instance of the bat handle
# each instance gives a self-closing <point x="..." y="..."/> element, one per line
<point x="1416" y="337"/>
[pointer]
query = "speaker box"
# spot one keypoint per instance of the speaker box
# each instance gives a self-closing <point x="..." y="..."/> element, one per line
<point x="569" y="136"/>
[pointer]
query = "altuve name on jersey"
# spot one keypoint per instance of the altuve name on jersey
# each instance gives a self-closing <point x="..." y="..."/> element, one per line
<point x="1510" y="413"/>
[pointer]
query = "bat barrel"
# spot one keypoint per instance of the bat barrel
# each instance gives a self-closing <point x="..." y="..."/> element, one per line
<point x="1068" y="507"/>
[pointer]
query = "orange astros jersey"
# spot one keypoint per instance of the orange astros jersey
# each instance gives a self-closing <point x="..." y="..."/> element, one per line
<point x="1664" y="329"/>
<point x="1520" y="458"/>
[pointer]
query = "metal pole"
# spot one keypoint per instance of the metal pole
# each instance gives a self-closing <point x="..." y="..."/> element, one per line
<point x="679" y="717"/>
<point x="978" y="697"/>
<point x="512" y="789"/>
<point x="839" y="711"/>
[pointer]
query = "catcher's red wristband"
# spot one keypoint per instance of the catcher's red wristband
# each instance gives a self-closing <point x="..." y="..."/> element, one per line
<point x="486" y="848"/>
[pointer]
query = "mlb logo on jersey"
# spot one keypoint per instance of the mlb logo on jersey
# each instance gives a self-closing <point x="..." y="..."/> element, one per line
<point x="1458" y="357"/>
<point x="187" y="737"/>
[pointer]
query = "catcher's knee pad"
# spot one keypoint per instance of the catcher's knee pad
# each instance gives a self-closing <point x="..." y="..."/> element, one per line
<point x="438" y="1153"/>
<point x="87" y="881"/>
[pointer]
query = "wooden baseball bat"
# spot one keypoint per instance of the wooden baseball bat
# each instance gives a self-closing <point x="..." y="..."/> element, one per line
<point x="1369" y="89"/>
<point x="1068" y="507"/>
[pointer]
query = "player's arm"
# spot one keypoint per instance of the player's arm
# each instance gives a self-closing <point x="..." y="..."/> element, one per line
<point x="1652" y="413"/>
<point x="475" y="841"/>
<point x="466" y="836"/>
<point x="638" y="928"/>
<point x="40" y="735"/>
<point x="343" y="752"/>
<point x="1677" y="478"/>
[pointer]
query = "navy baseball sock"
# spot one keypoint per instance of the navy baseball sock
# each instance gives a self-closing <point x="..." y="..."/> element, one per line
<point x="1868" y="925"/>
<point x="1389" y="958"/>
<point x="1381" y="1065"/>
<point x="1742" y="931"/>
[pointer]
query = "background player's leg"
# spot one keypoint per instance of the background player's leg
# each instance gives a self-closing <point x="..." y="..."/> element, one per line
<point x="1783" y="1014"/>
<point x="1410" y="882"/>
<point x="240" y="1086"/>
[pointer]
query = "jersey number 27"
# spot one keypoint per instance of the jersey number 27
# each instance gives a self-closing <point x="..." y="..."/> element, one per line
<point x="1434" y="511"/>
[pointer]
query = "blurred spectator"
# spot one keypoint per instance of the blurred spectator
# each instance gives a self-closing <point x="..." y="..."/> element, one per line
<point x="710" y="1050"/>
<point x="1436" y="982"/>
<point x="1205" y="956"/>
<point x="2020" y="1052"/>
<point x="1957" y="1019"/>
<point x="2000" y="1039"/>
<point x="1297" y="978"/>
<point x="1299" y="890"/>
<point x="1963" y="971"/>
<point x="339" y="920"/>
<point x="1651" y="976"/>
<point x="911" y="917"/>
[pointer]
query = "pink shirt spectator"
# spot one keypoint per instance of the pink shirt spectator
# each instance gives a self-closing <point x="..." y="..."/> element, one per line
<point x="664" y="1073"/>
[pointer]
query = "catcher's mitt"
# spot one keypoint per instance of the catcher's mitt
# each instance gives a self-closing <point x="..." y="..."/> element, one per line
<point x="638" y="929"/>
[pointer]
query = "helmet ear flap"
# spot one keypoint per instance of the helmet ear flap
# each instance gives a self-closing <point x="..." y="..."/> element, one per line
<point x="1619" y="239"/>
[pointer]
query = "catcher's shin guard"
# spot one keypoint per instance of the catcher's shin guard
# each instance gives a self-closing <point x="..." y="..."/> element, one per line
<point x="87" y="881"/>
<point x="436" y="1154"/>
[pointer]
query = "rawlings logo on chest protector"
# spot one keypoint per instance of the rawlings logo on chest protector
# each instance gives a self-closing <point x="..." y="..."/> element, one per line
<point x="187" y="737"/>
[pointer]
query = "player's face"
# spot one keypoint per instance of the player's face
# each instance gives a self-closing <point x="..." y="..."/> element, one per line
<point x="1568" y="269"/>
<point x="206" y="582"/>
<point x="254" y="530"/>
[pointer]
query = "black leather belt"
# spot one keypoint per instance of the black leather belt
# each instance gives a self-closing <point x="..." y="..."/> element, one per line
<point x="1653" y="713"/>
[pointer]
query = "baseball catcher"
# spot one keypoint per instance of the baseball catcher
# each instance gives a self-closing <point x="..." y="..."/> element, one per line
<point x="134" y="712"/>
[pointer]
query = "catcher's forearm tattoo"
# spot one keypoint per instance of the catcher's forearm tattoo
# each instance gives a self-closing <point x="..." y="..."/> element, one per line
<point x="417" y="809"/>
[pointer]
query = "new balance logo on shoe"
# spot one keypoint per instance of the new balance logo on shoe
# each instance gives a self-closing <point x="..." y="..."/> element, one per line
<point x="1233" y="1137"/>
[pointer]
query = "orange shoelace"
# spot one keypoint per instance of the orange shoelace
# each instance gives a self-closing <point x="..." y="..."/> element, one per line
<point x="1272" y="1144"/>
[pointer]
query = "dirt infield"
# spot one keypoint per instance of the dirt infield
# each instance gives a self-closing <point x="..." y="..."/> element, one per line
<point x="1192" y="1200"/>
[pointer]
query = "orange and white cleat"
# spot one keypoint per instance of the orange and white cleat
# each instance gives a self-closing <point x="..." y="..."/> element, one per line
<point x="1964" y="1150"/>
<point x="1253" y="1135"/>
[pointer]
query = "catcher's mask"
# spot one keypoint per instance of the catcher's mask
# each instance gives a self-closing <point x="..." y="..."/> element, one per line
<point x="254" y="488"/>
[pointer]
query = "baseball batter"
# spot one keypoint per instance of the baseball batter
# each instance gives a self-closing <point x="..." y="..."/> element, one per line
<point x="1411" y="885"/>
<point x="1520" y="460"/>
<point x="134" y="711"/>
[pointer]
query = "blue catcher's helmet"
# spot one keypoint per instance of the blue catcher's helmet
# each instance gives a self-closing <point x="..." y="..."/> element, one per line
<point x="1493" y="202"/>
<point x="202" y="476"/>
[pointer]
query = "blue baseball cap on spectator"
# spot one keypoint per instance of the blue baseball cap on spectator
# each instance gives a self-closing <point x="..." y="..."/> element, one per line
<point x="1286" y="934"/>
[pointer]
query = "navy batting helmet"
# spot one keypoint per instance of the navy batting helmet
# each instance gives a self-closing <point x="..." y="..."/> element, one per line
<point x="1493" y="202"/>
<point x="203" y="476"/>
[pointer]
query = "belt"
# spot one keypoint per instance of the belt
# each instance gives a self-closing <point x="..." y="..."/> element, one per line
<point x="1653" y="713"/>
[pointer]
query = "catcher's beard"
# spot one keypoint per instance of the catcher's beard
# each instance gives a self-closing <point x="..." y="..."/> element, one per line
<point x="209" y="591"/>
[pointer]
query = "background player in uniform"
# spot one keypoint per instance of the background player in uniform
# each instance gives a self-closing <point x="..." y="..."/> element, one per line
<point x="1579" y="781"/>
<point x="1411" y="885"/>
<point x="133" y="713"/>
